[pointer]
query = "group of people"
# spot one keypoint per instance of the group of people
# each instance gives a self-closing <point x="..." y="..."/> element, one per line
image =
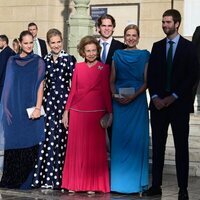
<point x="66" y="147"/>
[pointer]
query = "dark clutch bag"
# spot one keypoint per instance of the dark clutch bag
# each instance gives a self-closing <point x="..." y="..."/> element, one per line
<point x="104" y="121"/>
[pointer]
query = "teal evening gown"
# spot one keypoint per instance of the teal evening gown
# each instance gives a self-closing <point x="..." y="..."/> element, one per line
<point x="130" y="130"/>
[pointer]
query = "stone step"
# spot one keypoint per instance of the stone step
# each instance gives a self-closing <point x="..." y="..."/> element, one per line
<point x="194" y="149"/>
<point x="169" y="168"/>
<point x="194" y="137"/>
<point x="194" y="141"/>
<point x="194" y="154"/>
<point x="195" y="117"/>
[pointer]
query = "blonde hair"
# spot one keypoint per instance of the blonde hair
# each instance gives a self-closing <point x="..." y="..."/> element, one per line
<point x="53" y="32"/>
<point x="132" y="26"/>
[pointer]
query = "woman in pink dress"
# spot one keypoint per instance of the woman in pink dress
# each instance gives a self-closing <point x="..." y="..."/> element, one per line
<point x="86" y="165"/>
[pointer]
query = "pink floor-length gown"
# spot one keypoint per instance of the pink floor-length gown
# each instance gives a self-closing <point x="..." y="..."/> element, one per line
<point x="86" y="165"/>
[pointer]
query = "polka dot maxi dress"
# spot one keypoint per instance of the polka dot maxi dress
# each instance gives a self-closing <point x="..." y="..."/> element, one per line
<point x="48" y="170"/>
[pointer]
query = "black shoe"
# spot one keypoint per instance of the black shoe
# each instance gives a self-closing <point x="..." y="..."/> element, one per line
<point x="183" y="194"/>
<point x="153" y="191"/>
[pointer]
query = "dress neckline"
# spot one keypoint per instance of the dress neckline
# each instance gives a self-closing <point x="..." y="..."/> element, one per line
<point x="92" y="66"/>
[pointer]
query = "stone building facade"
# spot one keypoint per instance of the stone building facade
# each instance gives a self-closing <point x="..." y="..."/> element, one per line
<point x="16" y="14"/>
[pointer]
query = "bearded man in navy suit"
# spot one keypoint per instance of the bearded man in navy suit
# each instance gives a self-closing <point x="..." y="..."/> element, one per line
<point x="170" y="87"/>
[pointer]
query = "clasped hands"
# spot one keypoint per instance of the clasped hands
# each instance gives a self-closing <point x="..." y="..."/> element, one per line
<point x="125" y="99"/>
<point x="163" y="103"/>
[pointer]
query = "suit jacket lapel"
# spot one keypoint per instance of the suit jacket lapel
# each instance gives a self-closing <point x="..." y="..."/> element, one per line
<point x="111" y="49"/>
<point x="178" y="50"/>
<point x="163" y="54"/>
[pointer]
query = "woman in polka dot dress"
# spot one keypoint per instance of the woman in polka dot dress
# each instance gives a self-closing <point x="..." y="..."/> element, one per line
<point x="60" y="66"/>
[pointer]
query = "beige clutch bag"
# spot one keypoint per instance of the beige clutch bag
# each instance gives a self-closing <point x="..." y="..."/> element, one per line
<point x="104" y="121"/>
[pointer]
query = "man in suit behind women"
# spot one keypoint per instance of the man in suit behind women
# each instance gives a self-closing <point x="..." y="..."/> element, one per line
<point x="40" y="47"/>
<point x="5" y="53"/>
<point x="170" y="86"/>
<point x="106" y="26"/>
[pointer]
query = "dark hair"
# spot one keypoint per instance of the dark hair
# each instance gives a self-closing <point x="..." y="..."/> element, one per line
<point x="16" y="40"/>
<point x="24" y="33"/>
<point x="106" y="16"/>
<point x="4" y="38"/>
<point x="85" y="41"/>
<point x="32" y="24"/>
<point x="175" y="15"/>
<point x="53" y="32"/>
<point x="132" y="26"/>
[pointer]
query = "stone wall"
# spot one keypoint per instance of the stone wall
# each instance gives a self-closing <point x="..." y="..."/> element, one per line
<point x="16" y="14"/>
<point x="150" y="16"/>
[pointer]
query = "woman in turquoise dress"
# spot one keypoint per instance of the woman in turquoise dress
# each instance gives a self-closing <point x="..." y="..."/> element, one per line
<point x="130" y="130"/>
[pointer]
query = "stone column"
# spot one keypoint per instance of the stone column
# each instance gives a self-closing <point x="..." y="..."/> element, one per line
<point x="80" y="25"/>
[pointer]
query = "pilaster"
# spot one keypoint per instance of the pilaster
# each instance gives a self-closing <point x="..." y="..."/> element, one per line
<point x="80" y="24"/>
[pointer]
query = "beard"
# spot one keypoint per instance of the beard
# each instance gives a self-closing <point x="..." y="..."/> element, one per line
<point x="169" y="31"/>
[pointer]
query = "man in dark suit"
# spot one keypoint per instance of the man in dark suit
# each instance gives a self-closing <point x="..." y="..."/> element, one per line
<point x="106" y="26"/>
<point x="5" y="53"/>
<point x="40" y="47"/>
<point x="196" y="42"/>
<point x="172" y="73"/>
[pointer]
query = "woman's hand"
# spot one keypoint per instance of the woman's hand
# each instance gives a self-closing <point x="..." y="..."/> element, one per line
<point x="125" y="99"/>
<point x="110" y="119"/>
<point x="65" y="119"/>
<point x="36" y="113"/>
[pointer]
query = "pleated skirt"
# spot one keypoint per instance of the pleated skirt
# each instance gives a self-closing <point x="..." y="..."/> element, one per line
<point x="86" y="164"/>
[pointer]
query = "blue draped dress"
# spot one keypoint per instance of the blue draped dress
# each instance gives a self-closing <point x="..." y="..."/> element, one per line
<point x="130" y="130"/>
<point x="20" y="135"/>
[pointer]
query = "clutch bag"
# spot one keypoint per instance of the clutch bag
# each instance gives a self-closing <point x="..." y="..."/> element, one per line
<point x="30" y="111"/>
<point x="126" y="91"/>
<point x="104" y="121"/>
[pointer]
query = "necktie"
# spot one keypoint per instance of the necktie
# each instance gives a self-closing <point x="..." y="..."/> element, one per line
<point x="35" y="47"/>
<point x="169" y="65"/>
<point x="103" y="57"/>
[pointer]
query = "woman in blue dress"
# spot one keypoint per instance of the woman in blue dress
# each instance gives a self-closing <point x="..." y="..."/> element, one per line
<point x="130" y="130"/>
<point x="60" y="67"/>
<point x="23" y="88"/>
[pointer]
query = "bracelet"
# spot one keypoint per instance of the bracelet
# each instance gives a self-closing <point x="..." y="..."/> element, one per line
<point x="38" y="108"/>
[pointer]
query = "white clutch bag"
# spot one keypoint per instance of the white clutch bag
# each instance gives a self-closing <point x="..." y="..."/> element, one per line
<point x="30" y="111"/>
<point x="126" y="91"/>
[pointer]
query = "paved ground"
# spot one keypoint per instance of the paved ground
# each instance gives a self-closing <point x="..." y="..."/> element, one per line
<point x="170" y="191"/>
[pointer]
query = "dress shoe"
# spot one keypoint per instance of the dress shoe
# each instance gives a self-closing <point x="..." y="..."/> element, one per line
<point x="153" y="191"/>
<point x="71" y="191"/>
<point x="91" y="193"/>
<point x="183" y="194"/>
